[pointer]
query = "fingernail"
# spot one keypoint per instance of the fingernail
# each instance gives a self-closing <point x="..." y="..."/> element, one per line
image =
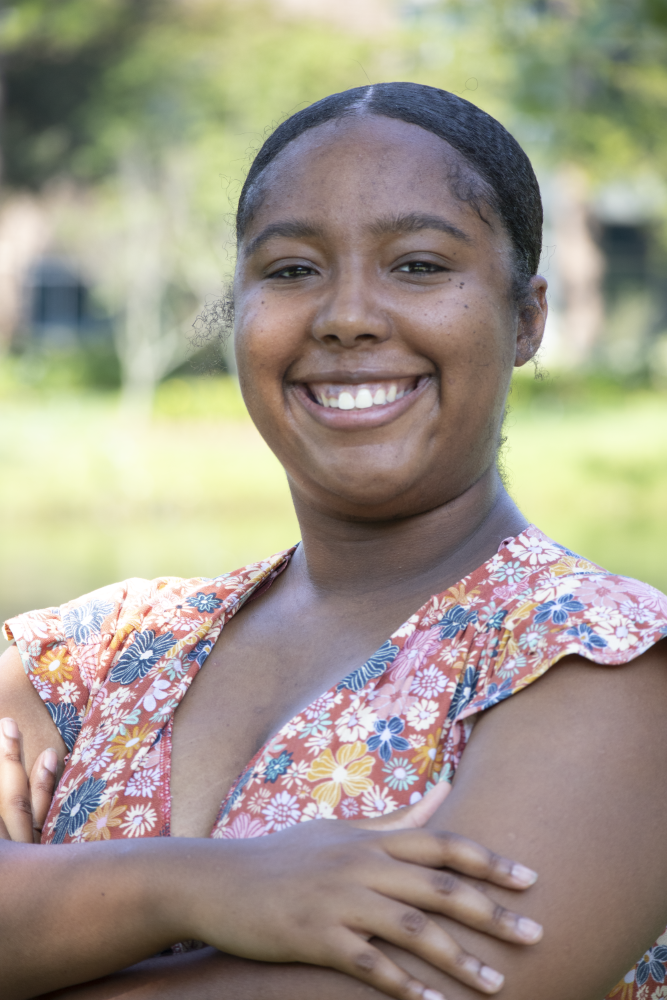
<point x="50" y="760"/>
<point x="523" y="875"/>
<point x="492" y="978"/>
<point x="432" y="995"/>
<point x="10" y="729"/>
<point x="528" y="929"/>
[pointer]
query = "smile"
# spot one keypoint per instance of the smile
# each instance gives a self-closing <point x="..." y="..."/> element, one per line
<point x="344" y="396"/>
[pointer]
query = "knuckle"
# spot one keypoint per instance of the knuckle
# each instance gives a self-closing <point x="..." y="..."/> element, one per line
<point x="499" y="916"/>
<point x="11" y="753"/>
<point x="466" y="962"/>
<point x="21" y="804"/>
<point x="444" y="882"/>
<point x="413" y="922"/>
<point x="366" y="960"/>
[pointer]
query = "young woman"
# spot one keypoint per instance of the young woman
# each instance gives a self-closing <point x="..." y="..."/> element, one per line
<point x="386" y="286"/>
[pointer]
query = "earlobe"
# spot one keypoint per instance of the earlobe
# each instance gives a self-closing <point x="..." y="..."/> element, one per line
<point x="531" y="321"/>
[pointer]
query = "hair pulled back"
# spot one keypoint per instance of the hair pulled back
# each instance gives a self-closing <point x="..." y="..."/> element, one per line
<point x="494" y="155"/>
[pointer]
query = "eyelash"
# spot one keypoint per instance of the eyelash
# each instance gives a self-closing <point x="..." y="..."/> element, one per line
<point x="288" y="272"/>
<point x="411" y="267"/>
<point x="421" y="267"/>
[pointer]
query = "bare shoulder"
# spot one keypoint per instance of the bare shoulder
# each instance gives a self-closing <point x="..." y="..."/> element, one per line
<point x="568" y="777"/>
<point x="20" y="701"/>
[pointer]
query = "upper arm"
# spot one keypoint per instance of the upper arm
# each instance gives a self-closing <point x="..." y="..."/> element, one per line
<point x="569" y="778"/>
<point x="20" y="701"/>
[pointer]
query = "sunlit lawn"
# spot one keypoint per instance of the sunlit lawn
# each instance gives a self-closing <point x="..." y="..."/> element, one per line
<point x="87" y="498"/>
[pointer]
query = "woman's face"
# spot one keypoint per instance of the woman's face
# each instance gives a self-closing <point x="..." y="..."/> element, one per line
<point x="375" y="332"/>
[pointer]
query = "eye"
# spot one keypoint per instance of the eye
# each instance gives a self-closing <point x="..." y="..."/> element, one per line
<point x="420" y="267"/>
<point x="293" y="271"/>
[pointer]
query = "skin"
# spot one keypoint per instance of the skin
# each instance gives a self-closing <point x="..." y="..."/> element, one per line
<point x="344" y="277"/>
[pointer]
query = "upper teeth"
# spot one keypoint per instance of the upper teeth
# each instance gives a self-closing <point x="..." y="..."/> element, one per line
<point x="359" y="397"/>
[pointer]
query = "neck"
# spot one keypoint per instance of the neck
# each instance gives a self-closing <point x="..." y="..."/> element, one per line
<point x="427" y="552"/>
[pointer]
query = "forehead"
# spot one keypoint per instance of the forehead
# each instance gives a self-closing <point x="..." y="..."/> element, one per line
<point x="358" y="168"/>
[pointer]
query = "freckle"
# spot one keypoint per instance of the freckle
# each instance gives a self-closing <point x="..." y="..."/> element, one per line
<point x="465" y="307"/>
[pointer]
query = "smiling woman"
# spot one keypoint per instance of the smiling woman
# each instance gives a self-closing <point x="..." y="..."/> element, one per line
<point x="420" y="635"/>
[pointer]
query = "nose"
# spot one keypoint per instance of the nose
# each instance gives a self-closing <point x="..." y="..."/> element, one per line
<point x="351" y="314"/>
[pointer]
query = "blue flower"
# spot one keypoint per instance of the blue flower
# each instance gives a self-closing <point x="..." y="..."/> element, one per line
<point x="590" y="639"/>
<point x="145" y="651"/>
<point x="67" y="721"/>
<point x="204" y="602"/>
<point x="496" y="694"/>
<point x="387" y="738"/>
<point x="86" y="620"/>
<point x="464" y="693"/>
<point x="77" y="807"/>
<point x="495" y="621"/>
<point x="559" y="610"/>
<point x="652" y="964"/>
<point x="200" y="651"/>
<point x="373" y="667"/>
<point x="278" y="766"/>
<point x="455" y="620"/>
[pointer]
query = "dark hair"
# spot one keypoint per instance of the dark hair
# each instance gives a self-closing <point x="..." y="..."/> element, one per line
<point x="511" y="188"/>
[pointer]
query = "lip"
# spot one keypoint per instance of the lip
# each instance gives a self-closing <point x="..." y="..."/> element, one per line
<point x="359" y="419"/>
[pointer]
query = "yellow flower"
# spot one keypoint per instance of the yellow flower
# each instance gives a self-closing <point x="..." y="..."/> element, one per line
<point x="97" y="827"/>
<point x="430" y="755"/>
<point x="349" y="770"/>
<point x="55" y="665"/>
<point x="127" y="745"/>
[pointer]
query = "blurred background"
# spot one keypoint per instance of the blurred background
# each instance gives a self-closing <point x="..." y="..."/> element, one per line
<point x="126" y="129"/>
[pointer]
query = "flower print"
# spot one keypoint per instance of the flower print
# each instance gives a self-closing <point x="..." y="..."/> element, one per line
<point x="139" y="821"/>
<point x="102" y="820"/>
<point x="282" y="811"/>
<point x="319" y="741"/>
<point x="348" y="771"/>
<point x="67" y="722"/>
<point x="618" y="634"/>
<point x="511" y="571"/>
<point x="315" y="726"/>
<point x="417" y="740"/>
<point x="144" y="782"/>
<point x="67" y="692"/>
<point x="423" y="714"/>
<point x="496" y="694"/>
<point x="377" y="801"/>
<point x="418" y="647"/>
<point x="557" y="611"/>
<point x="391" y="699"/>
<point x="356" y="722"/>
<point x="513" y="665"/>
<point x="590" y="639"/>
<point x="317" y="810"/>
<point x="145" y="651"/>
<point x="375" y="666"/>
<point x="259" y="800"/>
<point x="84" y="622"/>
<point x="201" y="651"/>
<point x="537" y="551"/>
<point x="55" y="665"/>
<point x="296" y="774"/>
<point x="599" y="591"/>
<point x="406" y="629"/>
<point x="290" y="729"/>
<point x="429" y="756"/>
<point x="126" y="745"/>
<point x="464" y="692"/>
<point x="349" y="808"/>
<point x="429" y="682"/>
<point x="204" y="602"/>
<point x="387" y="737"/>
<point x="455" y="620"/>
<point x="652" y="964"/>
<point x="277" y="766"/>
<point x="244" y="828"/>
<point x="77" y="807"/>
<point x="400" y="774"/>
<point x="626" y="988"/>
<point x="113" y="701"/>
<point x="533" y="637"/>
<point x="320" y="706"/>
<point x="158" y="691"/>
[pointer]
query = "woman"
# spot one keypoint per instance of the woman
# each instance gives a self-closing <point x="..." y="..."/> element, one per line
<point x="386" y="286"/>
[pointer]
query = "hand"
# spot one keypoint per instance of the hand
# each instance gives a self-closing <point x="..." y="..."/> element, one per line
<point x="24" y="802"/>
<point x="319" y="891"/>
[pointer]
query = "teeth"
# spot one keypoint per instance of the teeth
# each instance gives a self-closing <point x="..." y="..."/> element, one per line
<point x="380" y="397"/>
<point x="391" y="395"/>
<point x="359" y="397"/>
<point x="364" y="399"/>
<point x="346" y="401"/>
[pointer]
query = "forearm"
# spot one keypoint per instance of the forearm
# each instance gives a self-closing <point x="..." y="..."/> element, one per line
<point x="75" y="913"/>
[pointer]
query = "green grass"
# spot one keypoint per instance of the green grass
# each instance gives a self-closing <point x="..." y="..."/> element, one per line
<point x="87" y="497"/>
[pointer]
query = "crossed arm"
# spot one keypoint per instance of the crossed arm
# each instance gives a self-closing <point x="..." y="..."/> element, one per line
<point x="568" y="778"/>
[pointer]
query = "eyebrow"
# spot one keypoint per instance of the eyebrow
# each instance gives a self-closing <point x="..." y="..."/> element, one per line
<point x="414" y="222"/>
<point x="293" y="229"/>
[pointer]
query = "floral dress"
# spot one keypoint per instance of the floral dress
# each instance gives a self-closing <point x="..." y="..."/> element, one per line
<point x="113" y="666"/>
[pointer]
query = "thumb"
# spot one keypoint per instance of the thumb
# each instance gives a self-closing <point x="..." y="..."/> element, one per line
<point x="410" y="817"/>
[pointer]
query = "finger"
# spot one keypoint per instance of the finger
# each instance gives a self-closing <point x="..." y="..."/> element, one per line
<point x="14" y="791"/>
<point x="4" y="832"/>
<point x="411" y="817"/>
<point x="442" y="892"/>
<point x="42" y="785"/>
<point x="362" y="960"/>
<point x="443" y="849"/>
<point x="412" y="930"/>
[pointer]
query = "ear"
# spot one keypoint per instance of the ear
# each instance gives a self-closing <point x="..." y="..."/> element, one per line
<point x="531" y="321"/>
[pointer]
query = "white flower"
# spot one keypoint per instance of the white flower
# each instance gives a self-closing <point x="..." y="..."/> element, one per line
<point x="377" y="801"/>
<point x="423" y="714"/>
<point x="317" y="810"/>
<point x="139" y="821"/>
<point x="158" y="691"/>
<point x="67" y="691"/>
<point x="428" y="682"/>
<point x="144" y="783"/>
<point x="319" y="742"/>
<point x="282" y="811"/>
<point x="356" y="723"/>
